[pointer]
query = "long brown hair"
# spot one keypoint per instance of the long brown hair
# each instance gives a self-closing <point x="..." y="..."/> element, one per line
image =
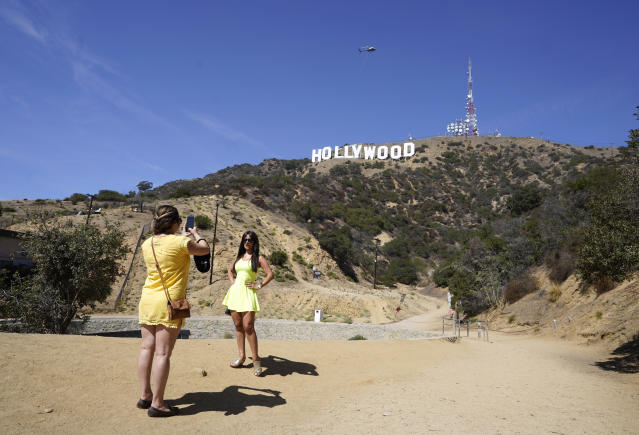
<point x="256" y="249"/>
<point x="164" y="217"/>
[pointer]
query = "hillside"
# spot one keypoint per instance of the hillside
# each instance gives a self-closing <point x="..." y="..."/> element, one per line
<point x="475" y="198"/>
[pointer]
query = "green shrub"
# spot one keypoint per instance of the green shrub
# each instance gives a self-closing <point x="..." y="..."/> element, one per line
<point x="523" y="199"/>
<point x="109" y="195"/>
<point x="203" y="222"/>
<point x="610" y="242"/>
<point x="278" y="258"/>
<point x="77" y="197"/>
<point x="358" y="337"/>
<point x="75" y="267"/>
<point x="511" y="318"/>
<point x="182" y="192"/>
<point x="298" y="258"/>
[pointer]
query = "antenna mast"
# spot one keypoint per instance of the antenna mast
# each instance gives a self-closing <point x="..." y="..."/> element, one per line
<point x="467" y="127"/>
<point x="471" y="116"/>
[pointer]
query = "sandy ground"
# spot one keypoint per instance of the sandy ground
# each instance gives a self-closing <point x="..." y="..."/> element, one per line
<point x="512" y="384"/>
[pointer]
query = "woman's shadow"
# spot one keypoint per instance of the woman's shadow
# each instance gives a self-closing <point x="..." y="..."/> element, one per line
<point x="232" y="400"/>
<point x="276" y="365"/>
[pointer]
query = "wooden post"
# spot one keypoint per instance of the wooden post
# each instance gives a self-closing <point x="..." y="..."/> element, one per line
<point x="90" y="207"/>
<point x="486" y="329"/>
<point x="375" y="271"/>
<point x="217" y="205"/>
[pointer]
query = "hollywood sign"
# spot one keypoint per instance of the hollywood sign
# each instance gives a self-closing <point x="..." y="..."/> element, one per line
<point x="367" y="152"/>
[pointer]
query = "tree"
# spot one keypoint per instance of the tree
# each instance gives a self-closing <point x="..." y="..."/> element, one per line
<point x="75" y="266"/>
<point x="109" y="195"/>
<point x="77" y="197"/>
<point x="631" y="152"/>
<point x="610" y="243"/>
<point x="143" y="186"/>
<point x="338" y="242"/>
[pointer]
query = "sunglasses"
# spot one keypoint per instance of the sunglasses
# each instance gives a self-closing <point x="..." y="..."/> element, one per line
<point x="249" y="241"/>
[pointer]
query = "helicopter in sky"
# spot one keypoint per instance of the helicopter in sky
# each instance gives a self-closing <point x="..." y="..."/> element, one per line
<point x="366" y="48"/>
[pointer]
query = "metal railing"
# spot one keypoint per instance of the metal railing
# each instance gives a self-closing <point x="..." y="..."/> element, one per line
<point x="456" y="325"/>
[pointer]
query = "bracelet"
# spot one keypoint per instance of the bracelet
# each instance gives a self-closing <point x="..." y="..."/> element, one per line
<point x="198" y="240"/>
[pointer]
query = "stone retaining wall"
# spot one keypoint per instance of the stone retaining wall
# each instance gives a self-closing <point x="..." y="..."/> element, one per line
<point x="271" y="329"/>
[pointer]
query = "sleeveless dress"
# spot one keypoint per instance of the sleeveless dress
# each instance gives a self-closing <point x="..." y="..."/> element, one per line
<point x="173" y="257"/>
<point x="239" y="297"/>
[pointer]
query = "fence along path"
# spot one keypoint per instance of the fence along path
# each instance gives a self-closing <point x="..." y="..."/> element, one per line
<point x="145" y="229"/>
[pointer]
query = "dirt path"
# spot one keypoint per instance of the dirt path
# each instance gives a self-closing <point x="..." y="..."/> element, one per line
<point x="513" y="384"/>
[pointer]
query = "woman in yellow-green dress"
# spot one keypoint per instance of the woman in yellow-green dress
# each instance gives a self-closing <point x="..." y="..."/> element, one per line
<point x="241" y="298"/>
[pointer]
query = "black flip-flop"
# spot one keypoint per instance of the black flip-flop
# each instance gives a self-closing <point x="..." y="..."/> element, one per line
<point x="143" y="404"/>
<point x="154" y="412"/>
<point x="202" y="262"/>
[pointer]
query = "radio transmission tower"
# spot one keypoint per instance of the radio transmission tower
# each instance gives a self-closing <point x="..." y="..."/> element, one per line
<point x="471" y="116"/>
<point x="467" y="127"/>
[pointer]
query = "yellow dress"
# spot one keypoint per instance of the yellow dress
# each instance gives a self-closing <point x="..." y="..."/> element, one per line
<point x="241" y="298"/>
<point x="174" y="260"/>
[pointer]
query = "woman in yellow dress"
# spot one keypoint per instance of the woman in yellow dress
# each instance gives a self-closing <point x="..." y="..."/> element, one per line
<point x="158" y="332"/>
<point x="241" y="298"/>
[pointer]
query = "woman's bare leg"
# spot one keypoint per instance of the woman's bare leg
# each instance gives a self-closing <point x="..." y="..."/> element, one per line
<point x="145" y="360"/>
<point x="239" y="333"/>
<point x="248" y="322"/>
<point x="164" y="343"/>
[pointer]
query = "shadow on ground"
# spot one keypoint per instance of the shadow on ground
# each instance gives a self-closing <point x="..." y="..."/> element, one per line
<point x="233" y="400"/>
<point x="136" y="333"/>
<point x="276" y="365"/>
<point x="627" y="362"/>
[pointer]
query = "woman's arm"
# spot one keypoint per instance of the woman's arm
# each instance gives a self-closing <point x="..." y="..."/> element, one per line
<point x="231" y="274"/>
<point x="199" y="246"/>
<point x="267" y="269"/>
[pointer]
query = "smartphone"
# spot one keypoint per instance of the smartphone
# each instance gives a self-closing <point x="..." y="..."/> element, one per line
<point x="190" y="223"/>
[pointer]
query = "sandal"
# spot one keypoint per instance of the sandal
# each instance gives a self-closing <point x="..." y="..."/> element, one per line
<point x="237" y="363"/>
<point x="154" y="412"/>
<point x="143" y="404"/>
<point x="257" y="368"/>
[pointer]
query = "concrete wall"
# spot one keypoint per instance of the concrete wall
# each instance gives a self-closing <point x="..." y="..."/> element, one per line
<point x="271" y="329"/>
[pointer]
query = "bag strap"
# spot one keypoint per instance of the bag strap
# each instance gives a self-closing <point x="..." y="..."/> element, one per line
<point x="157" y="265"/>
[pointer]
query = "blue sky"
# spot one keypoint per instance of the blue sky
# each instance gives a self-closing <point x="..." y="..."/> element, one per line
<point x="101" y="95"/>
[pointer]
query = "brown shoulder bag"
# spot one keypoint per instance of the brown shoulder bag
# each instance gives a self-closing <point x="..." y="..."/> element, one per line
<point x="179" y="309"/>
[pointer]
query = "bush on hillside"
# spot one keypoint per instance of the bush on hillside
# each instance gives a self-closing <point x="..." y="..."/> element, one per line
<point x="278" y="258"/>
<point x="203" y="222"/>
<point x="75" y="267"/>
<point x="109" y="195"/>
<point x="610" y="242"/>
<point x="77" y="197"/>
<point x="338" y="242"/>
<point x="523" y="199"/>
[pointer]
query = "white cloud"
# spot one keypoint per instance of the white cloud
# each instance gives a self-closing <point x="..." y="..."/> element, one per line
<point x="23" y="24"/>
<point x="87" y="69"/>
<point x="218" y="127"/>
